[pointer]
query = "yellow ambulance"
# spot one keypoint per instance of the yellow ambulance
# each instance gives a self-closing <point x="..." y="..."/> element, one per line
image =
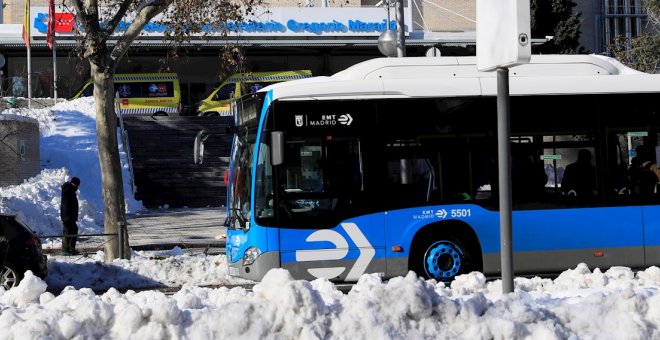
<point x="144" y="94"/>
<point x="240" y="84"/>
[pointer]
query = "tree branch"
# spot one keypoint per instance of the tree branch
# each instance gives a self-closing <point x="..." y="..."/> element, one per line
<point x="112" y="24"/>
<point x="92" y="11"/>
<point x="148" y="12"/>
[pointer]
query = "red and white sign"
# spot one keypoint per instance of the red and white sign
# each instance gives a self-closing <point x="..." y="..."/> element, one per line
<point x="64" y="22"/>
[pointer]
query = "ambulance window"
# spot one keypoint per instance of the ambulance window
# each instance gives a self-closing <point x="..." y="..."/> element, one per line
<point x="145" y="89"/>
<point x="225" y="92"/>
<point x="88" y="91"/>
<point x="254" y="87"/>
<point x="128" y="90"/>
<point x="157" y="89"/>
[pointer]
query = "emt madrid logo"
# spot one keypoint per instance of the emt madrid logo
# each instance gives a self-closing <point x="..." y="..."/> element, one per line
<point x="324" y="120"/>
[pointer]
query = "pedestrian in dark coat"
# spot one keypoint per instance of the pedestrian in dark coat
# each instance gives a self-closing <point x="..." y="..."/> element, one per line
<point x="69" y="216"/>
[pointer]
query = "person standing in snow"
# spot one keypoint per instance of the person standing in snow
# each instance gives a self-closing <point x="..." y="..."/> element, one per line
<point x="69" y="216"/>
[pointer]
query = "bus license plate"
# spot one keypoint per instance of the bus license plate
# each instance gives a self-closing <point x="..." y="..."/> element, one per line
<point x="233" y="271"/>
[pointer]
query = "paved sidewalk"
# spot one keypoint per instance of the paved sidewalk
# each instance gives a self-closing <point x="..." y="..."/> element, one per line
<point x="193" y="228"/>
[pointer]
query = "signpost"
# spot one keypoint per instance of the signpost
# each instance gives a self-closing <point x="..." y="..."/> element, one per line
<point x="503" y="40"/>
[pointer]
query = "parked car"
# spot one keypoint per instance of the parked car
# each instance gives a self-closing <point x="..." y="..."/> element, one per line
<point x="23" y="252"/>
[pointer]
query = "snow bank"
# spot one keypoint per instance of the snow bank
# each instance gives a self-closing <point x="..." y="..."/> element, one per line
<point x="578" y="304"/>
<point x="68" y="148"/>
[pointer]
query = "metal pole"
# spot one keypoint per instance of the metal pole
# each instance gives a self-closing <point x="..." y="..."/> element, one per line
<point x="504" y="166"/>
<point x="125" y="244"/>
<point x="29" y="77"/>
<point x="400" y="30"/>
<point x="54" y="70"/>
<point x="387" y="3"/>
<point x="120" y="236"/>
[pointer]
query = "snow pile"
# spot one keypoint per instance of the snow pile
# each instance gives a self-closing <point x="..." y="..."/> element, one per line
<point x="144" y="270"/>
<point x="578" y="304"/>
<point x="68" y="148"/>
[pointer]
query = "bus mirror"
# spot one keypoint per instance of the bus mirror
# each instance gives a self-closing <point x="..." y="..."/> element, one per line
<point x="198" y="149"/>
<point x="277" y="147"/>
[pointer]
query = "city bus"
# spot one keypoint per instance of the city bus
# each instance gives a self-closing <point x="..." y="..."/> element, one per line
<point x="390" y="166"/>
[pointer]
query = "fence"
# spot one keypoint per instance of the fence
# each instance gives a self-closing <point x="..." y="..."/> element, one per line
<point x="121" y="236"/>
<point x="42" y="85"/>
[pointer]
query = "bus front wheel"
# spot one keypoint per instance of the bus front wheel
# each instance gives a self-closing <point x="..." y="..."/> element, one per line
<point x="442" y="259"/>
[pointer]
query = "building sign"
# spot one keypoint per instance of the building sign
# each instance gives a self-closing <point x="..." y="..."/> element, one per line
<point x="64" y="22"/>
<point x="285" y="22"/>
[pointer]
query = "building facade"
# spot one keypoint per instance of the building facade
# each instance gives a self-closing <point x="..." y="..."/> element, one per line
<point x="431" y="26"/>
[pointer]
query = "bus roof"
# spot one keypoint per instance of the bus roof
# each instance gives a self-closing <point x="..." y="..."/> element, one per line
<point x="419" y="77"/>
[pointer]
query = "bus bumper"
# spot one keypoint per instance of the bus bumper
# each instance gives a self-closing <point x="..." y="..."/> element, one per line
<point x="257" y="270"/>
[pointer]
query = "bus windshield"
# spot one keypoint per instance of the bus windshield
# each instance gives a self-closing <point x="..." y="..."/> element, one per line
<point x="239" y="192"/>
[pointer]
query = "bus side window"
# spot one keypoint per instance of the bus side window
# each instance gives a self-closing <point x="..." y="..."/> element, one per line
<point x="412" y="180"/>
<point x="576" y="176"/>
<point x="528" y="176"/>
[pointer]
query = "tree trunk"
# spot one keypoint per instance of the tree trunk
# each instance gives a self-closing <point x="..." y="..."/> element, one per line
<point x="112" y="186"/>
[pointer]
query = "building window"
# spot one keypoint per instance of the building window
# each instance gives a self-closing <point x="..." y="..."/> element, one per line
<point x="623" y="18"/>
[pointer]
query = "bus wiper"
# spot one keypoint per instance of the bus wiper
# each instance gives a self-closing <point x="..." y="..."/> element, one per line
<point x="236" y="214"/>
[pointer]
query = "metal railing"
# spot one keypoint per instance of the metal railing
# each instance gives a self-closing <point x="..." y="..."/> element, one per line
<point x="124" y="141"/>
<point x="121" y="236"/>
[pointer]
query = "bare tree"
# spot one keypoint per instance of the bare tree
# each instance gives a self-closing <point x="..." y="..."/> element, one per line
<point x="653" y="10"/>
<point x="99" y="20"/>
<point x="641" y="53"/>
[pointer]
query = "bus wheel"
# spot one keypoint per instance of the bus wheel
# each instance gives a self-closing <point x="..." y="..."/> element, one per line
<point x="443" y="260"/>
<point x="160" y="114"/>
<point x="211" y="114"/>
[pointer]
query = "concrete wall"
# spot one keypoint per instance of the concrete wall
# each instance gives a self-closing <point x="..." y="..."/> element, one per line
<point x="591" y="30"/>
<point x="19" y="149"/>
<point x="14" y="10"/>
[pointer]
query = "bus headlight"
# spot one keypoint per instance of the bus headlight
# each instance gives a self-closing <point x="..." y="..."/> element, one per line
<point x="251" y="255"/>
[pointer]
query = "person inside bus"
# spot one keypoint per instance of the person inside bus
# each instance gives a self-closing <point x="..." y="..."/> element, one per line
<point x="580" y="177"/>
<point x="320" y="183"/>
<point x="643" y="172"/>
<point x="528" y="177"/>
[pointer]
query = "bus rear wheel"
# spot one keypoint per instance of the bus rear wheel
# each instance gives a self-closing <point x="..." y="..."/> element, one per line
<point x="442" y="259"/>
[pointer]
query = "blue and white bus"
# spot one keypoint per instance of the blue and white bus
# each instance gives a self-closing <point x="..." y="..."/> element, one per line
<point x="391" y="166"/>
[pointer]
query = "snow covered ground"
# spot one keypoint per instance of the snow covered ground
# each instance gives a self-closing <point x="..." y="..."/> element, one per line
<point x="579" y="304"/>
<point x="582" y="303"/>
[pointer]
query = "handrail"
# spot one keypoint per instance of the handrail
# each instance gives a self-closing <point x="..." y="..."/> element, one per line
<point x="124" y="139"/>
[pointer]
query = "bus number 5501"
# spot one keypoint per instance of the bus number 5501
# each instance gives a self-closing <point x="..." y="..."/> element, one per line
<point x="460" y="213"/>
